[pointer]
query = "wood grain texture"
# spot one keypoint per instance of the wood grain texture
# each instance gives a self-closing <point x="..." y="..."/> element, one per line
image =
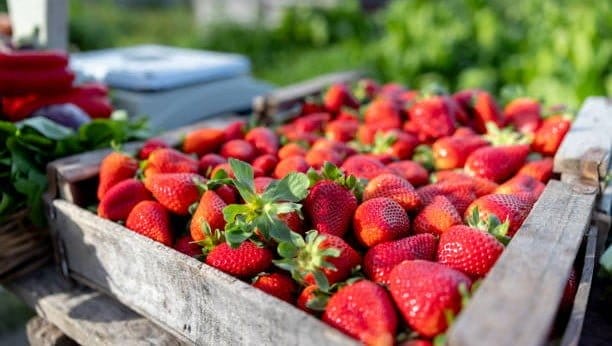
<point x="188" y="298"/>
<point x="516" y="303"/>
<point x="585" y="151"/>
<point x="42" y="333"/>
<point x="86" y="316"/>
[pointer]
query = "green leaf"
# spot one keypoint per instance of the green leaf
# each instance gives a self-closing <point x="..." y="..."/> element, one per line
<point x="284" y="208"/>
<point x="236" y="236"/>
<point x="321" y="280"/>
<point x="292" y="188"/>
<point x="279" y="231"/>
<point x="231" y="211"/>
<point x="47" y="128"/>
<point x="243" y="173"/>
<point x="287" y="250"/>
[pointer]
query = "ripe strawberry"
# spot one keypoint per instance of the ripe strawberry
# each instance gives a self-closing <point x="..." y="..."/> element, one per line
<point x="208" y="162"/>
<point x="264" y="140"/>
<point x="411" y="171"/>
<point x="186" y="245"/>
<point x="524" y="114"/>
<point x="366" y="133"/>
<point x="382" y="258"/>
<point x="496" y="163"/>
<point x="151" y="219"/>
<point x="425" y="292"/>
<point x="481" y="107"/>
<point x="262" y="183"/>
<point x="149" y="146"/>
<point x="322" y="211"/>
<point x="312" y="299"/>
<point x="459" y="193"/>
<point x="368" y="88"/>
<point x="434" y="117"/>
<point x="265" y="163"/>
<point x="480" y="186"/>
<point x="397" y="145"/>
<point x="290" y="164"/>
<point x="208" y="217"/>
<point x="549" y="136"/>
<point x="470" y="250"/>
<point x="114" y="168"/>
<point x="341" y="130"/>
<point x="348" y="114"/>
<point x="437" y="217"/>
<point x="383" y="113"/>
<point x="227" y="193"/>
<point x="121" y="198"/>
<point x="293" y="221"/>
<point x="291" y="149"/>
<point x="330" y="145"/>
<point x="311" y="105"/>
<point x="223" y="167"/>
<point x="416" y="342"/>
<point x="235" y="130"/>
<point x="317" y="157"/>
<point x="168" y="160"/>
<point x="452" y="152"/>
<point x="464" y="131"/>
<point x="378" y="220"/>
<point x="175" y="191"/>
<point x="362" y="166"/>
<point x="541" y="169"/>
<point x="521" y="184"/>
<point x="203" y="141"/>
<point x="513" y="208"/>
<point x="277" y="285"/>
<point x="364" y="311"/>
<point x="245" y="261"/>
<point x="394" y="187"/>
<point x="567" y="300"/>
<point x="337" y="96"/>
<point x="311" y="123"/>
<point x="238" y="149"/>
<point x="293" y="134"/>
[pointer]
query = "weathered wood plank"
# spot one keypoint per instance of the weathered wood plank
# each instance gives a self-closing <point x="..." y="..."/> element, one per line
<point x="42" y="333"/>
<point x="88" y="317"/>
<point x="585" y="151"/>
<point x="516" y="303"/>
<point x="185" y="296"/>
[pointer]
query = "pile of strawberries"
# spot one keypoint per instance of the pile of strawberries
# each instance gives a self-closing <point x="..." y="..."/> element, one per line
<point x="377" y="213"/>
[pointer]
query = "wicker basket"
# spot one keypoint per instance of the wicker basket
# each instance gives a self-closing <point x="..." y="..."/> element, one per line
<point x="23" y="247"/>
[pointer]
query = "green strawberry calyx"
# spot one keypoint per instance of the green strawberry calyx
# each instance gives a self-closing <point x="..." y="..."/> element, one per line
<point x="212" y="238"/>
<point x="260" y="212"/>
<point x="423" y="154"/>
<point x="329" y="171"/>
<point x="505" y="136"/>
<point x="491" y="225"/>
<point x="382" y="142"/>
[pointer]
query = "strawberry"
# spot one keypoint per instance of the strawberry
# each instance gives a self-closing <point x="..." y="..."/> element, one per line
<point x="312" y="299"/>
<point x="260" y="184"/>
<point x="362" y="166"/>
<point x="459" y="193"/>
<point x="524" y="114"/>
<point x="384" y="113"/>
<point x="452" y="152"/>
<point x="175" y="191"/>
<point x="378" y="220"/>
<point x="513" y="208"/>
<point x="434" y="117"/>
<point x="245" y="261"/>
<point x="330" y="145"/>
<point x="149" y="146"/>
<point x="464" y="131"/>
<point x="367" y="88"/>
<point x="416" y="342"/>
<point x="541" y="169"/>
<point x="425" y="293"/>
<point x="315" y="122"/>
<point x="208" y="162"/>
<point x="348" y="114"/>
<point x="364" y="311"/>
<point x="203" y="141"/>
<point x="293" y="134"/>
<point x="496" y="163"/>
<point x="469" y="250"/>
<point x="186" y="245"/>
<point x="168" y="160"/>
<point x="121" y="198"/>
<point x="481" y="106"/>
<point x="320" y="206"/>
<point x="208" y="216"/>
<point x="480" y="186"/>
<point x="290" y="164"/>
<point x="235" y="130"/>
<point x="437" y="217"/>
<point x="151" y="219"/>
<point x="569" y="292"/>
<point x="522" y="184"/>
<point x="395" y="143"/>
<point x="394" y="187"/>
<point x="225" y="166"/>
<point x="549" y="136"/>
<point x="341" y="130"/>
<point x="277" y="285"/>
<point x="382" y="258"/>
<point x="227" y="193"/>
<point x="315" y="158"/>
<point x="265" y="163"/>
<point x="291" y="149"/>
<point x="114" y="168"/>
<point x="238" y="149"/>
<point x="263" y="139"/>
<point x="411" y="171"/>
<point x="366" y="133"/>
<point x="311" y="105"/>
<point x="293" y="220"/>
<point x="337" y="96"/>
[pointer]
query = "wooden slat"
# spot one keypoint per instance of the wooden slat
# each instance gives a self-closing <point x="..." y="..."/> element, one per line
<point x="585" y="151"/>
<point x="88" y="317"/>
<point x="185" y="296"/>
<point x="42" y="333"/>
<point x="516" y="303"/>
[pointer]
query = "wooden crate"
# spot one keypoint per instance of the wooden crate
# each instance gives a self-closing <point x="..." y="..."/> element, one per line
<point x="516" y="303"/>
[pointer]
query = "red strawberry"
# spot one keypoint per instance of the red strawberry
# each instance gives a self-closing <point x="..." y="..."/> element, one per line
<point x="239" y="149"/>
<point x="261" y="184"/>
<point x="369" y="88"/>
<point x="396" y="144"/>
<point x="383" y="113"/>
<point x="434" y="117"/>
<point x="149" y="146"/>
<point x="341" y="130"/>
<point x="222" y="167"/>
<point x="541" y="170"/>
<point x="235" y="130"/>
<point x="524" y="114"/>
<point x="367" y="132"/>
<point x="337" y="96"/>
<point x="121" y="198"/>
<point x="481" y="106"/>
<point x="203" y="141"/>
<point x="344" y="263"/>
<point x="263" y="139"/>
<point x="459" y="193"/>
<point x="480" y="186"/>
<point x="208" y="216"/>
<point x="186" y="245"/>
<point x="364" y="311"/>
<point x="496" y="163"/>
<point x="411" y="171"/>
<point x="245" y="261"/>
<point x="567" y="300"/>
<point x="293" y="221"/>
<point x="312" y="295"/>
<point x="330" y="145"/>
<point x="321" y="207"/>
<point x="293" y="134"/>
<point x="311" y="123"/>
<point x="362" y="166"/>
<point x="175" y="191"/>
<point x="114" y="168"/>
<point x="348" y="114"/>
<point x="291" y="149"/>
<point x="290" y="164"/>
<point x="265" y="163"/>
<point x="311" y="106"/>
<point x="464" y="131"/>
<point x="425" y="292"/>
<point x="168" y="160"/>
<point x="378" y="220"/>
<point x="317" y="157"/>
<point x="208" y="162"/>
<point x="513" y="208"/>
<point x="277" y="285"/>
<point x="522" y="184"/>
<point x="452" y="152"/>
<point x="382" y="258"/>
<point x="416" y="342"/>
<point x="470" y="250"/>
<point x="394" y="187"/>
<point x="151" y="219"/>
<point x="437" y="217"/>
<point x="227" y="193"/>
<point x="549" y="136"/>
